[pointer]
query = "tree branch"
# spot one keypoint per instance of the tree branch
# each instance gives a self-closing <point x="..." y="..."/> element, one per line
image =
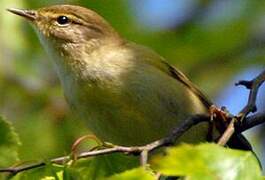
<point x="253" y="86"/>
<point x="250" y="122"/>
<point x="143" y="151"/>
<point x="135" y="150"/>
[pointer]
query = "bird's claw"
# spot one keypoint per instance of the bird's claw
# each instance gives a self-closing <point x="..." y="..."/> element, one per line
<point x="219" y="112"/>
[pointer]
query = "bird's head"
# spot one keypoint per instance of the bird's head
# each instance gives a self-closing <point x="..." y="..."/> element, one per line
<point x="63" y="24"/>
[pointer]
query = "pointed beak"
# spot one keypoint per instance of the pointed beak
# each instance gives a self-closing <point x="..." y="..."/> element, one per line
<point x="28" y="14"/>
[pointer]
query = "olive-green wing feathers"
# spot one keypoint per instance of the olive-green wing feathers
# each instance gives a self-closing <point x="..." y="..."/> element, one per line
<point x="152" y="58"/>
<point x="175" y="73"/>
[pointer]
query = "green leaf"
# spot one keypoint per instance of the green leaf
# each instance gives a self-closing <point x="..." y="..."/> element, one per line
<point x="104" y="166"/>
<point x="134" y="174"/>
<point x="9" y="143"/>
<point x="208" y="161"/>
<point x="92" y="168"/>
<point x="49" y="172"/>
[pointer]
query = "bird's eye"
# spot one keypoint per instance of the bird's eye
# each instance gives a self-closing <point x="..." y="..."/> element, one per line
<point x="63" y="20"/>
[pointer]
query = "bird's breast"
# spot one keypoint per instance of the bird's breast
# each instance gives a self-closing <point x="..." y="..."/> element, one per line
<point x="127" y="102"/>
<point x="128" y="109"/>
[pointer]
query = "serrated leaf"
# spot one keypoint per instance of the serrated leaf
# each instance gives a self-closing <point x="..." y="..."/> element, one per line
<point x="208" y="161"/>
<point x="9" y="143"/>
<point x="134" y="174"/>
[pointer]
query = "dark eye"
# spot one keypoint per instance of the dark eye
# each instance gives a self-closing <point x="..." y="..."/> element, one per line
<point x="63" y="20"/>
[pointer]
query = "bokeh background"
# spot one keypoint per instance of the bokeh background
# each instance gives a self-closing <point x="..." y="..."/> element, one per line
<point x="215" y="42"/>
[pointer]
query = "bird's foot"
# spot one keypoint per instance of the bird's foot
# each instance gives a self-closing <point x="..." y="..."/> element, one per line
<point x="222" y="113"/>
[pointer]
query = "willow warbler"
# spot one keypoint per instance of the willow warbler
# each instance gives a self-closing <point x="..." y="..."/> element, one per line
<point x="126" y="93"/>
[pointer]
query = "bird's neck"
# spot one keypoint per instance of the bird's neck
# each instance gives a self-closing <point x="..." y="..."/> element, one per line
<point x="73" y="60"/>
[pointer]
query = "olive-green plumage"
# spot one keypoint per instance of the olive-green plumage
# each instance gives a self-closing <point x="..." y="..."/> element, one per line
<point x="126" y="93"/>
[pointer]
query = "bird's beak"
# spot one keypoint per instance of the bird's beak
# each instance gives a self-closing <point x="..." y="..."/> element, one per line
<point x="28" y="14"/>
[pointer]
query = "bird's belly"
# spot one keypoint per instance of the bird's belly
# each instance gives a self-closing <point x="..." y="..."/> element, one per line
<point x="120" y="118"/>
<point x="114" y="121"/>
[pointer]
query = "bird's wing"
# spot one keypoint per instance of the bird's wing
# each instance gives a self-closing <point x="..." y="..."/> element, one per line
<point x="175" y="73"/>
<point x="152" y="58"/>
<point x="238" y="141"/>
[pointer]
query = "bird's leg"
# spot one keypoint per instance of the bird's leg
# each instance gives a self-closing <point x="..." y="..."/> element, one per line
<point x="221" y="119"/>
<point x="222" y="113"/>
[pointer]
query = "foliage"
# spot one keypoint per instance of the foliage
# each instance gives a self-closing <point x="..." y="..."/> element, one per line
<point x="9" y="143"/>
<point x="208" y="161"/>
<point x="139" y="173"/>
<point x="200" y="162"/>
<point x="205" y="161"/>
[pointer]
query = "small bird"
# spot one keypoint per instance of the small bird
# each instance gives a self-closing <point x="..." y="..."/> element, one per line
<point x="126" y="93"/>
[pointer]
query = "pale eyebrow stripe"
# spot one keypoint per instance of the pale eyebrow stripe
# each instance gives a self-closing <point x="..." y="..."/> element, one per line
<point x="77" y="20"/>
<point x="94" y="27"/>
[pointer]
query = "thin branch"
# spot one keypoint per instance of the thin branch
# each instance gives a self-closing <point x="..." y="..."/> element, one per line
<point x="144" y="157"/>
<point x="253" y="86"/>
<point x="250" y="122"/>
<point x="135" y="150"/>
<point x="143" y="151"/>
<point x="228" y="133"/>
<point x="22" y="168"/>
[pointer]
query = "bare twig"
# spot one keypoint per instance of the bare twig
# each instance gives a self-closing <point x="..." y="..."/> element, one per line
<point x="250" y="122"/>
<point x="135" y="150"/>
<point x="228" y="133"/>
<point x="143" y="151"/>
<point x="253" y="86"/>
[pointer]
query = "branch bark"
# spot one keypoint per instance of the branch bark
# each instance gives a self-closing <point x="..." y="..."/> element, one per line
<point x="249" y="122"/>
<point x="253" y="86"/>
<point x="135" y="150"/>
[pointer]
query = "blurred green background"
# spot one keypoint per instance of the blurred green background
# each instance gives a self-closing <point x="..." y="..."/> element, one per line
<point x="214" y="42"/>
